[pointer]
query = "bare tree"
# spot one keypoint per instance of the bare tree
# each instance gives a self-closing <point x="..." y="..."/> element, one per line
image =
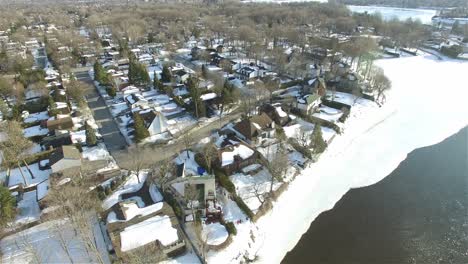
<point x="75" y="202"/>
<point x="278" y="166"/>
<point x="209" y="154"/>
<point x="150" y="253"/>
<point x="14" y="150"/>
<point x="163" y="174"/>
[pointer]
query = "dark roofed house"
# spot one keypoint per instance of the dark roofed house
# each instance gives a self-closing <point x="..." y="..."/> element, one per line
<point x="276" y="113"/>
<point x="57" y="140"/>
<point x="257" y="127"/>
<point x="65" y="160"/>
<point x="59" y="123"/>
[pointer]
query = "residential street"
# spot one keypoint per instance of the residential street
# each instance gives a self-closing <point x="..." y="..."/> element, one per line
<point x="116" y="143"/>
<point x="107" y="127"/>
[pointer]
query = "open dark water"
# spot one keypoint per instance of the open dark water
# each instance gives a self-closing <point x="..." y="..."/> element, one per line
<point x="418" y="214"/>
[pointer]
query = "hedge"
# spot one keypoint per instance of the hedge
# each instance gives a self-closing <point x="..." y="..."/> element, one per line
<point x="231" y="228"/>
<point x="174" y="204"/>
<point x="225" y="182"/>
<point x="243" y="207"/>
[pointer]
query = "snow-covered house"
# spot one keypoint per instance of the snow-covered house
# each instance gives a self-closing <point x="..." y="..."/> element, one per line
<point x="234" y="155"/>
<point x="65" y="160"/>
<point x="136" y="100"/>
<point x="194" y="187"/>
<point x="256" y="128"/>
<point x="247" y="73"/>
<point x="276" y="113"/>
<point x="308" y="103"/>
<point x="155" y="122"/>
<point x="315" y="85"/>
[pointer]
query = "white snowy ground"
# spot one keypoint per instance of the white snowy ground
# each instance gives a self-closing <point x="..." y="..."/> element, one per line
<point x="41" y="243"/>
<point x="426" y="105"/>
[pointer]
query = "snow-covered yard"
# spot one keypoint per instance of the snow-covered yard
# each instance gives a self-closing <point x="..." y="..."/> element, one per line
<point x="214" y="234"/>
<point x="33" y="175"/>
<point x="132" y="184"/>
<point x="98" y="152"/>
<point x="328" y="113"/>
<point x="36" y="117"/>
<point x="35" y="131"/>
<point x="348" y="99"/>
<point x="42" y="243"/>
<point x="181" y="123"/>
<point x="253" y="188"/>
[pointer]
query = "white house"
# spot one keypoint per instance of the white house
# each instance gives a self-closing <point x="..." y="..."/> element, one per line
<point x="155" y="122"/>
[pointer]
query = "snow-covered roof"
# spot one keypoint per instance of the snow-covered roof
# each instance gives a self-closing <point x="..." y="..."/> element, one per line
<point x="240" y="150"/>
<point x="155" y="228"/>
<point x="208" y="96"/>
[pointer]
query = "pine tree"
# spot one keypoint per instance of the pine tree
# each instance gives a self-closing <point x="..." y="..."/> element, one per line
<point x="157" y="84"/>
<point x="143" y="76"/>
<point x="317" y="142"/>
<point x="140" y="129"/>
<point x="91" y="139"/>
<point x="111" y="91"/>
<point x="7" y="206"/>
<point x="166" y="75"/>
<point x="99" y="72"/>
<point x="204" y="71"/>
<point x="52" y="107"/>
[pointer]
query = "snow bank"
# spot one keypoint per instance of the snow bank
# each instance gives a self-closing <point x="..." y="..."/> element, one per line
<point x="152" y="229"/>
<point x="373" y="145"/>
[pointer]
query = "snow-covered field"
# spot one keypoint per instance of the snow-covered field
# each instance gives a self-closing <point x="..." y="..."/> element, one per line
<point x="373" y="145"/>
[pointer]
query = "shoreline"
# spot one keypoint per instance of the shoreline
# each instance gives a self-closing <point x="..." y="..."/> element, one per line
<point x="336" y="166"/>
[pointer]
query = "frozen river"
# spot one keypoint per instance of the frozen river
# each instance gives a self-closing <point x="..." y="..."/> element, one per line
<point x="388" y="13"/>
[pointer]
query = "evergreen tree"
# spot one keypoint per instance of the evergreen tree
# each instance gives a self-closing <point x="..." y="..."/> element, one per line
<point x="7" y="206"/>
<point x="140" y="129"/>
<point x="166" y="75"/>
<point x="52" y="107"/>
<point x="317" y="142"/>
<point x="91" y="139"/>
<point x="197" y="103"/>
<point x="99" y="72"/>
<point x="137" y="74"/>
<point x="204" y="71"/>
<point x="111" y="91"/>
<point x="157" y="84"/>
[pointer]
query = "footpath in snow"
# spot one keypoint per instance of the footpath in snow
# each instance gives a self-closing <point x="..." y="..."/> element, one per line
<point x="427" y="104"/>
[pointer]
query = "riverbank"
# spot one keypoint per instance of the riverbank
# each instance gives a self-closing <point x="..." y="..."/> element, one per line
<point x="416" y="115"/>
<point x="417" y="214"/>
